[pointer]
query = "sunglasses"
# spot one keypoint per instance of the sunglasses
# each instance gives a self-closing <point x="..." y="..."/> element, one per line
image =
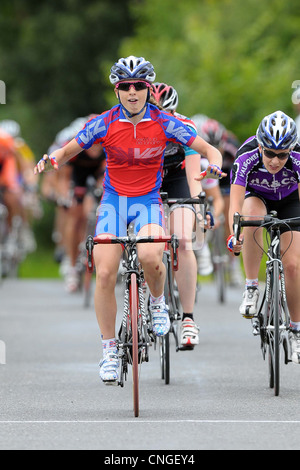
<point x="280" y="156"/>
<point x="138" y="86"/>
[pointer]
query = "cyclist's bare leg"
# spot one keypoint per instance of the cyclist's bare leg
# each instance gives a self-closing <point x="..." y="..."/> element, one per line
<point x="252" y="254"/>
<point x="150" y="256"/>
<point x="181" y="223"/>
<point x="12" y="201"/>
<point x="73" y="231"/>
<point x="107" y="259"/>
<point x="291" y="263"/>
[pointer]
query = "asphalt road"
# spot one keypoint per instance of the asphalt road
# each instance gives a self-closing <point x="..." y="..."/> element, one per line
<point x="52" y="398"/>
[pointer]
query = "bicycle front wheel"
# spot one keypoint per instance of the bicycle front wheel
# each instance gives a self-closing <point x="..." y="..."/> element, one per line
<point x="273" y="331"/>
<point x="134" y="309"/>
<point x="165" y="340"/>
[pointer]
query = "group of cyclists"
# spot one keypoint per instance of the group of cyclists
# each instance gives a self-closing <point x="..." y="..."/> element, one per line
<point x="73" y="190"/>
<point x="18" y="192"/>
<point x="142" y="146"/>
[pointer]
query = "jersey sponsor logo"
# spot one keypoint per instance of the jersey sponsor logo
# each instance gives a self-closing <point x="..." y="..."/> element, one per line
<point x="148" y="141"/>
<point x="246" y="164"/>
<point x="274" y="184"/>
<point x="179" y="133"/>
<point x="91" y="130"/>
<point x="295" y="161"/>
<point x="133" y="156"/>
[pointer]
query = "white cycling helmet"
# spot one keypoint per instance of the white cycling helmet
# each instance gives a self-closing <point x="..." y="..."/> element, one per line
<point x="165" y="95"/>
<point x="11" y="127"/>
<point x="277" y="131"/>
<point x="132" y="68"/>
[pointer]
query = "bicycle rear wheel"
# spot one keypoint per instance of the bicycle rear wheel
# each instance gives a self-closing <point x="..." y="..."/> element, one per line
<point x="273" y="332"/>
<point x="134" y="308"/>
<point x="218" y="258"/>
<point x="87" y="289"/>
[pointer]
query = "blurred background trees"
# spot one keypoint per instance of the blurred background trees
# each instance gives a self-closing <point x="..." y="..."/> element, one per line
<point x="234" y="61"/>
<point x="51" y="56"/>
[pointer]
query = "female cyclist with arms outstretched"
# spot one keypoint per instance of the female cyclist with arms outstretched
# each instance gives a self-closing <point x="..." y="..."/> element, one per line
<point x="133" y="134"/>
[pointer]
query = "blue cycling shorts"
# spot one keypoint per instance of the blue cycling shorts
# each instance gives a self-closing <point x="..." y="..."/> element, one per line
<point x="116" y="212"/>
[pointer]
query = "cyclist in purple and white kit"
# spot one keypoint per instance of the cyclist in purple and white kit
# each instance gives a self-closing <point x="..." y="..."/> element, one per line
<point x="265" y="177"/>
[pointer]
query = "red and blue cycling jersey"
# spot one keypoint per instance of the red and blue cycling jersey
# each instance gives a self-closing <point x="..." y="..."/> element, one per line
<point x="134" y="153"/>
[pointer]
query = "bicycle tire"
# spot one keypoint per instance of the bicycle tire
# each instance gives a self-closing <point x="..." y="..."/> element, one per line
<point x="219" y="265"/>
<point x="135" y="345"/>
<point x="165" y="340"/>
<point x="220" y="279"/>
<point x="164" y="353"/>
<point x="87" y="289"/>
<point x="274" y="334"/>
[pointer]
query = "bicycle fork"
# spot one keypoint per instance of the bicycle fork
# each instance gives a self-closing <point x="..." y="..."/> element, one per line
<point x="125" y="334"/>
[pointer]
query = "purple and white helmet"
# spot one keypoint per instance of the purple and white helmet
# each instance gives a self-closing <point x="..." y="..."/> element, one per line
<point x="132" y="68"/>
<point x="277" y="131"/>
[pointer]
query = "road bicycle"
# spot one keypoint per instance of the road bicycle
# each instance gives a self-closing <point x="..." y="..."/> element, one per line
<point x="220" y="261"/>
<point x="94" y="192"/>
<point x="219" y="256"/>
<point x="170" y="289"/>
<point x="272" y="322"/>
<point x="3" y="230"/>
<point x="135" y="333"/>
<point x="12" y="249"/>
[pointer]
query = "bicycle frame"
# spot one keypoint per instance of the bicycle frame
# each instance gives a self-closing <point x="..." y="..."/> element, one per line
<point x="134" y="333"/>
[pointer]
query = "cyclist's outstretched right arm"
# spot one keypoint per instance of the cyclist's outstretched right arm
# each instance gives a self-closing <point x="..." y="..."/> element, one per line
<point x="57" y="158"/>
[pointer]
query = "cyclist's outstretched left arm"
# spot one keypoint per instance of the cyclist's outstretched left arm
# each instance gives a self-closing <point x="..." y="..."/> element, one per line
<point x="57" y="158"/>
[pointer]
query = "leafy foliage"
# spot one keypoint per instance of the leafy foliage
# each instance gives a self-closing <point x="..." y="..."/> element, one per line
<point x="50" y="59"/>
<point x="234" y="61"/>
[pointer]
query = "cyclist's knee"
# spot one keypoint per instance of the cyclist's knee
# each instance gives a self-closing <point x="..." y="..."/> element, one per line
<point x="105" y="277"/>
<point x="291" y="268"/>
<point x="185" y="243"/>
<point x="150" y="258"/>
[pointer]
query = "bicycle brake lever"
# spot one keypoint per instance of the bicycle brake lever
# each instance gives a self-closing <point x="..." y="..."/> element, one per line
<point x="89" y="248"/>
<point x="175" y="245"/>
<point x="236" y="229"/>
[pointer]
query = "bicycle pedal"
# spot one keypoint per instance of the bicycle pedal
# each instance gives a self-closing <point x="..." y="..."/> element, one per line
<point x="247" y="314"/>
<point x="248" y="317"/>
<point x="111" y="383"/>
<point x="186" y="348"/>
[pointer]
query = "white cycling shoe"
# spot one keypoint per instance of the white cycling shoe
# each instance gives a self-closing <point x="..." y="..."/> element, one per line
<point x="248" y="307"/>
<point x="160" y="318"/>
<point x="294" y="337"/>
<point x="189" y="334"/>
<point x="109" y="366"/>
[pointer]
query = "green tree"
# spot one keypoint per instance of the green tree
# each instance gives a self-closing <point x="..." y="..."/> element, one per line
<point x="234" y="61"/>
<point x="51" y="56"/>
